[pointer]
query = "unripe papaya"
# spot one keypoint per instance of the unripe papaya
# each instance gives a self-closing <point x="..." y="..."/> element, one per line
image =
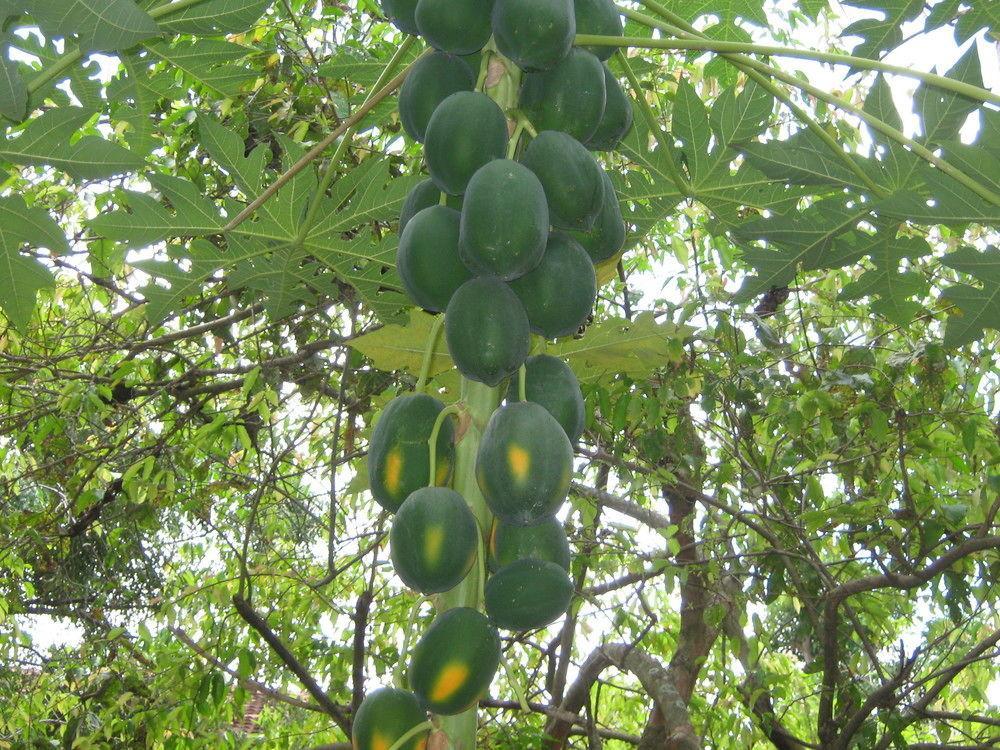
<point x="528" y="594"/>
<point x="384" y="716"/>
<point x="570" y="176"/>
<point x="400" y="12"/>
<point x="505" y="220"/>
<point x="617" y="118"/>
<point x="427" y="258"/>
<point x="433" y="542"/>
<point x="454" y="662"/>
<point x="541" y="541"/>
<point x="524" y="464"/>
<point x="433" y="79"/>
<point x="398" y="454"/>
<point x="600" y="17"/>
<point x="559" y="294"/>
<point x="466" y="131"/>
<point x="424" y="195"/>
<point x="551" y="383"/>
<point x="569" y="97"/>
<point x="461" y="27"/>
<point x="535" y="34"/>
<point x="487" y="330"/>
<point x="606" y="238"/>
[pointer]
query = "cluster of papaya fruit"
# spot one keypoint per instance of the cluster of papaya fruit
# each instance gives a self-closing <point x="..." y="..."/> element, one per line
<point x="503" y="238"/>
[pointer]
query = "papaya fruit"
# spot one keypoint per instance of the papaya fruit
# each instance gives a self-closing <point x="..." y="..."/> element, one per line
<point x="461" y="27"/>
<point x="505" y="220"/>
<point x="551" y="383"/>
<point x="427" y="258"/>
<point x="524" y="464"/>
<point x="607" y="237"/>
<point x="570" y="176"/>
<point x="433" y="79"/>
<point x="384" y="716"/>
<point x="398" y="454"/>
<point x="568" y="97"/>
<point x="541" y="541"/>
<point x="401" y="14"/>
<point x="617" y="118"/>
<point x="599" y="17"/>
<point x="487" y="330"/>
<point x="466" y="131"/>
<point x="424" y="195"/>
<point x="454" y="662"/>
<point x="559" y="294"/>
<point x="432" y="542"/>
<point x="535" y="34"/>
<point x="528" y="594"/>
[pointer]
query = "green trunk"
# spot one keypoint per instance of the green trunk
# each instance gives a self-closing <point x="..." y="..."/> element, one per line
<point x="481" y="401"/>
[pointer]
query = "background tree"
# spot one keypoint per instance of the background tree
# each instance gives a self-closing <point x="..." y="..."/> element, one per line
<point x="784" y="517"/>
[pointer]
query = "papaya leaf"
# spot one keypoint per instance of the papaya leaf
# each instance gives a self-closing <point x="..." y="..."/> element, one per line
<point x="99" y="25"/>
<point x="13" y="92"/>
<point x="401" y="346"/>
<point x="737" y="118"/>
<point x="22" y="277"/>
<point x="980" y="308"/>
<point x="943" y="113"/>
<point x="186" y="275"/>
<point x="893" y="288"/>
<point x="215" y="17"/>
<point x="210" y="62"/>
<point x="48" y="140"/>
<point x="879" y="35"/>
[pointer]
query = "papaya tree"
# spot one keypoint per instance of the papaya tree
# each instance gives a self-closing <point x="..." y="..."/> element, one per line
<point x="426" y="374"/>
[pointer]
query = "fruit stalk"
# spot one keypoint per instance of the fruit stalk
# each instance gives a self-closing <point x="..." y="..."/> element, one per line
<point x="480" y="402"/>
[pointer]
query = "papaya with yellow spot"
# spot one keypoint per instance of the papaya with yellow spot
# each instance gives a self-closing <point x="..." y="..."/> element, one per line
<point x="524" y="464"/>
<point x="384" y="716"/>
<point x="453" y="664"/>
<point x="432" y="542"/>
<point x="399" y="454"/>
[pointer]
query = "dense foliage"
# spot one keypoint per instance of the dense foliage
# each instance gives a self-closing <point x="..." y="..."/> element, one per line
<point x="784" y="515"/>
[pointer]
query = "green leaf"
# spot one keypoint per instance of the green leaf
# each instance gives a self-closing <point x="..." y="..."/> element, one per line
<point x="881" y="34"/>
<point x="738" y="118"/>
<point x="228" y="150"/>
<point x="617" y="346"/>
<point x="103" y="25"/>
<point x="360" y="67"/>
<point x="942" y="199"/>
<point x="148" y="221"/>
<point x="133" y="97"/>
<point x="943" y="113"/>
<point x="185" y="277"/>
<point x="48" y="140"/>
<point x="805" y="239"/>
<point x="22" y="277"/>
<point x="13" y="92"/>
<point x="748" y="10"/>
<point x="216" y="17"/>
<point x="980" y="307"/>
<point x="210" y="62"/>
<point x="893" y="288"/>
<point x="286" y="278"/>
<point x="401" y="346"/>
<point x="804" y="160"/>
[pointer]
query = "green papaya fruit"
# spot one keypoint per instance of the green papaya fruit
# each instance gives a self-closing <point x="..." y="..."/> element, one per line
<point x="607" y="237"/>
<point x="559" y="294"/>
<point x="384" y="716"/>
<point x="487" y="330"/>
<point x="461" y="27"/>
<point x="466" y="131"/>
<point x="454" y="662"/>
<point x="400" y="12"/>
<point x="427" y="258"/>
<point x="432" y="79"/>
<point x="541" y="541"/>
<point x="524" y="464"/>
<point x="505" y="220"/>
<point x="424" y="195"/>
<point x="398" y="454"/>
<point x="551" y="383"/>
<point x="433" y="542"/>
<point x="528" y="594"/>
<point x="600" y="17"/>
<point x="617" y="118"/>
<point x="535" y="34"/>
<point x="568" y="97"/>
<point x="570" y="176"/>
